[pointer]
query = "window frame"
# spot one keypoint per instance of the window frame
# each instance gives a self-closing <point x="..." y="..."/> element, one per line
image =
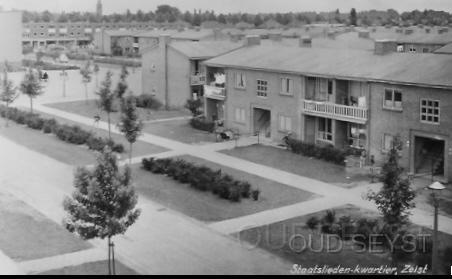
<point x="427" y="114"/>
<point x="393" y="101"/>
<point x="325" y="133"/>
<point x="236" y="84"/>
<point x="287" y="86"/>
<point x="242" y="115"/>
<point x="383" y="142"/>
<point x="260" y="92"/>
<point x="283" y="118"/>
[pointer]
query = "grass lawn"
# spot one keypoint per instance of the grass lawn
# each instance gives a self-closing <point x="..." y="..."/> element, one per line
<point x="207" y="207"/>
<point x="275" y="239"/>
<point x="179" y="130"/>
<point x="301" y="165"/>
<point x="26" y="234"/>
<point x="48" y="144"/>
<point x="93" y="268"/>
<point x="91" y="109"/>
<point x="140" y="148"/>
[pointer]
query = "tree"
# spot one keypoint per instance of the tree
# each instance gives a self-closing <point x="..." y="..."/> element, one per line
<point x="31" y="86"/>
<point x="258" y="21"/>
<point x="122" y="84"/>
<point x="96" y="70"/>
<point x="194" y="106"/>
<point x="103" y="203"/>
<point x="8" y="95"/>
<point x="395" y="198"/>
<point x="106" y="99"/>
<point x="130" y="124"/>
<point x="353" y="17"/>
<point x="85" y="72"/>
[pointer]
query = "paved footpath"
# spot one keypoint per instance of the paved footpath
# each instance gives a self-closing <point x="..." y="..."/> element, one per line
<point x="161" y="242"/>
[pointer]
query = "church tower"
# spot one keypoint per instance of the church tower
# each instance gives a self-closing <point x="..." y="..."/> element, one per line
<point x="99" y="9"/>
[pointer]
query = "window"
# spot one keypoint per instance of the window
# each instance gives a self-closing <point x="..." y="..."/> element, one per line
<point x="262" y="87"/>
<point x="240" y="81"/>
<point x="393" y="99"/>
<point x="425" y="50"/>
<point x="325" y="129"/>
<point x="286" y="86"/>
<point x="412" y="49"/>
<point x="285" y="123"/>
<point x="330" y="87"/>
<point x="239" y="115"/>
<point x="429" y="111"/>
<point x="357" y="135"/>
<point x="387" y="142"/>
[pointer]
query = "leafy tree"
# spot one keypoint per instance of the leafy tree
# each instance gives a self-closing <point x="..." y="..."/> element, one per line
<point x="130" y="124"/>
<point x="395" y="198"/>
<point x="221" y="19"/>
<point x="85" y="72"/>
<point x="31" y="86"/>
<point x="122" y="84"/>
<point x="194" y="106"/>
<point x="9" y="94"/>
<point x="103" y="203"/>
<point x="353" y="17"/>
<point x="96" y="70"/>
<point x="258" y="21"/>
<point x="106" y="99"/>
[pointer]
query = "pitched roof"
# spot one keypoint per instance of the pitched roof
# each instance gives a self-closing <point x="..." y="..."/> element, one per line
<point x="433" y="70"/>
<point x="206" y="49"/>
<point x="187" y="34"/>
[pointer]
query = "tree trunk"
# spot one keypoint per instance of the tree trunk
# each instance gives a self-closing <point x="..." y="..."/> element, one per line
<point x="7" y="114"/>
<point x="31" y="105"/>
<point x="86" y="93"/>
<point x="109" y="257"/>
<point x="130" y="154"/>
<point x="109" y="129"/>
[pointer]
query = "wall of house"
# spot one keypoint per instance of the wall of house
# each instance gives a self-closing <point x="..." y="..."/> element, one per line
<point x="406" y="123"/>
<point x="146" y="42"/>
<point x="152" y="72"/>
<point x="11" y="34"/>
<point x="277" y="103"/>
<point x="178" y="79"/>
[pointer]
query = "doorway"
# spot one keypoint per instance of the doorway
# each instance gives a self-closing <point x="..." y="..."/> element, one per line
<point x="262" y="122"/>
<point x="429" y="156"/>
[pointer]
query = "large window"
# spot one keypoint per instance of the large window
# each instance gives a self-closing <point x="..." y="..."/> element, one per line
<point x="357" y="135"/>
<point x="285" y="123"/>
<point x="286" y="86"/>
<point x="387" y="142"/>
<point x="393" y="99"/>
<point x="239" y="115"/>
<point x="262" y="88"/>
<point x="240" y="81"/>
<point x="430" y="111"/>
<point x="325" y="129"/>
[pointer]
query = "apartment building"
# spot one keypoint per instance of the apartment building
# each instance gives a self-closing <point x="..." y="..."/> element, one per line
<point x="345" y="98"/>
<point x="172" y="70"/>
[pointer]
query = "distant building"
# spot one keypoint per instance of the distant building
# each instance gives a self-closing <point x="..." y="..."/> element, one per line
<point x="11" y="34"/>
<point x="99" y="9"/>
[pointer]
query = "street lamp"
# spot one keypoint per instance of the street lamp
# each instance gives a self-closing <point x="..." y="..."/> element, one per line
<point x="435" y="188"/>
<point x="63" y="75"/>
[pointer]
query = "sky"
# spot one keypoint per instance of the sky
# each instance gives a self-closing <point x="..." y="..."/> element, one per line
<point x="225" y="6"/>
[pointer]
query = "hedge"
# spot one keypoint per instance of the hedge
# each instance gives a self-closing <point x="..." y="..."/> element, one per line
<point x="201" y="123"/>
<point x="147" y="101"/>
<point x="117" y="61"/>
<point x="72" y="134"/>
<point x="47" y="66"/>
<point x="326" y="153"/>
<point x="202" y="178"/>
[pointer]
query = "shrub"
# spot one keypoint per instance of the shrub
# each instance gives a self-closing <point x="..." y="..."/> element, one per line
<point x="346" y="226"/>
<point x="255" y="194"/>
<point x="234" y="193"/>
<point x="364" y="228"/>
<point x="194" y="106"/>
<point x="312" y="223"/>
<point x="49" y="126"/>
<point x="328" y="220"/>
<point x="245" y="189"/>
<point x="201" y="123"/>
<point x="326" y="153"/>
<point x="35" y="122"/>
<point x="148" y="101"/>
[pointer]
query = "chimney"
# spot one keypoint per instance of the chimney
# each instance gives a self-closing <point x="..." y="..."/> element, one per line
<point x="383" y="47"/>
<point x="252" y="40"/>
<point x="305" y="41"/>
<point x="363" y="34"/>
<point x="275" y="36"/>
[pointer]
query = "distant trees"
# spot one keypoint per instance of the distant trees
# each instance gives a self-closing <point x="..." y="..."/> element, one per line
<point x="31" y="86"/>
<point x="8" y="93"/>
<point x="130" y="124"/>
<point x="353" y="17"/>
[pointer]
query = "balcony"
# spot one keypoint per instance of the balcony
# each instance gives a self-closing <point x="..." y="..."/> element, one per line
<point x="213" y="92"/>
<point x="199" y="79"/>
<point x="336" y="111"/>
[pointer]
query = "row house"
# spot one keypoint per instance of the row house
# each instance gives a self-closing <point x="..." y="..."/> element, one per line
<point x="172" y="69"/>
<point x="344" y="98"/>
<point x="10" y="49"/>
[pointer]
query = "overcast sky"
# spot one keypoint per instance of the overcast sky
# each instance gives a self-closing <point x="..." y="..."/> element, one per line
<point x="225" y="6"/>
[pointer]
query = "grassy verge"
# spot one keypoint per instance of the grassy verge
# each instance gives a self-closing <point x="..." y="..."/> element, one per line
<point x="93" y="268"/>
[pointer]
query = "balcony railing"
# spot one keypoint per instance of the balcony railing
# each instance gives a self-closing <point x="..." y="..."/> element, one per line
<point x="199" y="79"/>
<point x="336" y="111"/>
<point x="214" y="92"/>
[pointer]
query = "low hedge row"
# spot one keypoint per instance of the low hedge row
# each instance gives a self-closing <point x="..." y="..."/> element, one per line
<point x="47" y="66"/>
<point x="201" y="123"/>
<point x="147" y="101"/>
<point x="202" y="178"/>
<point x="117" y="61"/>
<point x="326" y="153"/>
<point x="72" y="134"/>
